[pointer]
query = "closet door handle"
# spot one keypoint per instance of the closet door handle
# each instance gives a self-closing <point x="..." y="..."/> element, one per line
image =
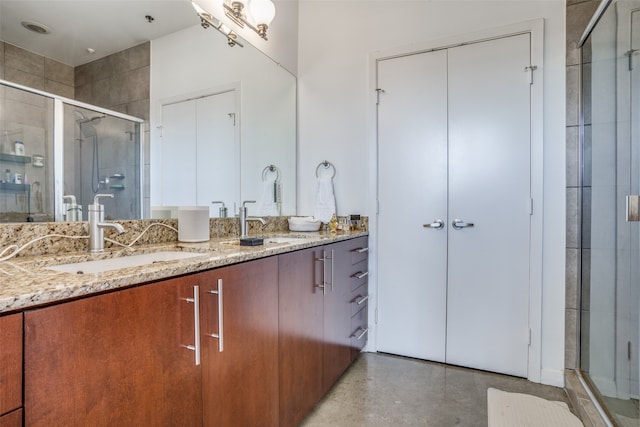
<point x="438" y="224"/>
<point x="458" y="224"/>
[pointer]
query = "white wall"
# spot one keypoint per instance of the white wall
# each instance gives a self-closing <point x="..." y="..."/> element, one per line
<point x="336" y="123"/>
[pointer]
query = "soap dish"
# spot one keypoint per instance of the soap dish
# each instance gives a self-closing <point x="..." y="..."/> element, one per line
<point x="251" y="241"/>
<point x="304" y="223"/>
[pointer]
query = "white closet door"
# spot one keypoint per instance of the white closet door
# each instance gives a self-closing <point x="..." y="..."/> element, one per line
<point x="218" y="153"/>
<point x="178" y="151"/>
<point x="198" y="139"/>
<point x="412" y="269"/>
<point x="489" y="186"/>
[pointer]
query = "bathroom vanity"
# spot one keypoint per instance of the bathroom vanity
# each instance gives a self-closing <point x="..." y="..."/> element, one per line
<point x="248" y="336"/>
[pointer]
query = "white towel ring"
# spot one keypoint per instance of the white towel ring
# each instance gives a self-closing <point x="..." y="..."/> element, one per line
<point x="270" y="168"/>
<point x="325" y="164"/>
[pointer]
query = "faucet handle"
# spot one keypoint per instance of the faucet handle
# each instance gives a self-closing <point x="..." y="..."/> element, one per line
<point x="247" y="201"/>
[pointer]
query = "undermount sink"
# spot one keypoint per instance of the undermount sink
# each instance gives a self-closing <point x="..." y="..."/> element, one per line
<point x="284" y="239"/>
<point x="128" y="261"/>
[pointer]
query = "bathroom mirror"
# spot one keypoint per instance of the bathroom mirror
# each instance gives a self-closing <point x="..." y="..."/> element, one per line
<point x="266" y="127"/>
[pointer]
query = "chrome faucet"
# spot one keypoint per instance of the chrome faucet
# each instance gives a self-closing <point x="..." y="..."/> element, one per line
<point x="97" y="224"/>
<point x="244" y="219"/>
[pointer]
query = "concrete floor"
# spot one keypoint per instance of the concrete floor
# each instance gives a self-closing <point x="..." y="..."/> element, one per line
<point x="383" y="390"/>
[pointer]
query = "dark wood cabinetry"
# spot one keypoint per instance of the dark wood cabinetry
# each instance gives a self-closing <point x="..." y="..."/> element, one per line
<point x="316" y="318"/>
<point x="115" y="359"/>
<point x="240" y="344"/>
<point x="301" y="333"/>
<point x="252" y="344"/>
<point x="11" y="370"/>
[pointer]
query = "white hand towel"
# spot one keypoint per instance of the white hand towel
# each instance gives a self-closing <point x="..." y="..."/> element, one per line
<point x="325" y="205"/>
<point x="267" y="205"/>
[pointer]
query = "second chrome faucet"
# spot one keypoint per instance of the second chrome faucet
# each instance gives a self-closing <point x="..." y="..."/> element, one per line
<point x="97" y="224"/>
<point x="244" y="219"/>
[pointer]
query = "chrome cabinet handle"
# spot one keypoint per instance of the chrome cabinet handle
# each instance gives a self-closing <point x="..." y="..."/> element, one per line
<point x="220" y="334"/>
<point x="362" y="334"/>
<point x="324" y="281"/>
<point x="360" y="250"/>
<point x="360" y="299"/>
<point x="438" y="224"/>
<point x="360" y="274"/>
<point x="458" y="224"/>
<point x="323" y="260"/>
<point x="196" y="322"/>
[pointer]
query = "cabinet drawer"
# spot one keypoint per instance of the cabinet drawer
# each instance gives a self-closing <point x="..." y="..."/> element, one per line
<point x="359" y="250"/>
<point x="359" y="301"/>
<point x="360" y="330"/>
<point x="10" y="363"/>
<point x="359" y="275"/>
<point x="12" y="419"/>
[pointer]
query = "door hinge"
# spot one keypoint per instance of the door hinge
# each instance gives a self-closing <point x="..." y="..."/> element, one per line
<point x="530" y="69"/>
<point x="233" y="116"/>
<point x="160" y="127"/>
<point x="629" y="350"/>
<point x="529" y="341"/>
<point x="378" y="92"/>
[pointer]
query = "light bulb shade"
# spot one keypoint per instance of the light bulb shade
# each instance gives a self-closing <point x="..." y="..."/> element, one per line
<point x="263" y="11"/>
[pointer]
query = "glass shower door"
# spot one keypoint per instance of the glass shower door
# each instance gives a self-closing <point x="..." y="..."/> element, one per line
<point x="610" y="325"/>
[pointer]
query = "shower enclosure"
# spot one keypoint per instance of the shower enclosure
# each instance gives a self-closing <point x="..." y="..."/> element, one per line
<point x="101" y="155"/>
<point x="610" y="279"/>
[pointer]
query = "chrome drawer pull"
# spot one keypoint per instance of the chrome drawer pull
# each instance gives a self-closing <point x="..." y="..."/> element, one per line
<point x="220" y="334"/>
<point x="196" y="322"/>
<point x="362" y="334"/>
<point x="361" y="250"/>
<point x="360" y="299"/>
<point x="360" y="274"/>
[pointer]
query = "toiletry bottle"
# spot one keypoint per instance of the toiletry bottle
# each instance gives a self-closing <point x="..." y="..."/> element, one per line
<point x="7" y="148"/>
<point x="18" y="148"/>
<point x="7" y="176"/>
<point x="333" y="224"/>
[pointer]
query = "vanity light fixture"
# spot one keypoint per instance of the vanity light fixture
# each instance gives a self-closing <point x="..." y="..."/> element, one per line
<point x="261" y="13"/>
<point x="208" y="21"/>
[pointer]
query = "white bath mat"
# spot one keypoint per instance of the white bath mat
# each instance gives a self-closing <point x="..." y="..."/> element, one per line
<point x="523" y="410"/>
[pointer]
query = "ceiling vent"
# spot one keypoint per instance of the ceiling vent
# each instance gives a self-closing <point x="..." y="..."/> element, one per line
<point x="36" y="27"/>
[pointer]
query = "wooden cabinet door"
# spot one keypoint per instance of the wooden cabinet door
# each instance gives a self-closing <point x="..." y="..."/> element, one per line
<point x="337" y="312"/>
<point x="10" y="363"/>
<point x="241" y="377"/>
<point x="301" y="334"/>
<point x="12" y="419"/>
<point x="115" y="359"/>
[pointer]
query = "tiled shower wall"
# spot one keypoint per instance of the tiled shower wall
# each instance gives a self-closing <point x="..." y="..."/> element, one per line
<point x="579" y="12"/>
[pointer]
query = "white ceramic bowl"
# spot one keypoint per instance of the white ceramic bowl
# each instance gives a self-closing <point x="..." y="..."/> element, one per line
<point x="304" y="223"/>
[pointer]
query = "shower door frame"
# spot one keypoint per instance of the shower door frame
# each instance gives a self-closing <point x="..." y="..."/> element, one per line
<point x="58" y="149"/>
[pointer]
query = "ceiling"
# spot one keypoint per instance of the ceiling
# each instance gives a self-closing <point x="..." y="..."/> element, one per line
<point x="106" y="26"/>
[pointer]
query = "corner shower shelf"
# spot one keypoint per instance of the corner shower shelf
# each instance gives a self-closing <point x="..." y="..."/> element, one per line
<point x="14" y="158"/>
<point x="9" y="186"/>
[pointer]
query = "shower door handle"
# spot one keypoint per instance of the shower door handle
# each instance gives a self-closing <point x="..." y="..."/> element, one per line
<point x="633" y="205"/>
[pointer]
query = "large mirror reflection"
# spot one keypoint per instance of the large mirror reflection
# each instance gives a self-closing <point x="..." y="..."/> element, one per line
<point x="110" y="65"/>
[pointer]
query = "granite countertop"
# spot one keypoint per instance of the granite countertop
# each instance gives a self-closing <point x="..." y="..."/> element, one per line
<point x="26" y="282"/>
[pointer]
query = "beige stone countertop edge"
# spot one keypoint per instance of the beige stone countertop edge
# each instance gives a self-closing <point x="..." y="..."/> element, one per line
<point x="25" y="282"/>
